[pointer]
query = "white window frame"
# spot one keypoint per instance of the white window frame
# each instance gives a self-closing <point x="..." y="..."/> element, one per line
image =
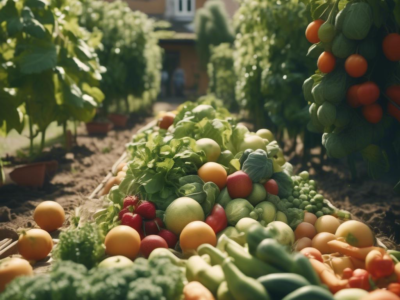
<point x="184" y="12"/>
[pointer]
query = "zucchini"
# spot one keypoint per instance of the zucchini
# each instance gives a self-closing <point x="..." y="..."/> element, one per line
<point x="309" y="293"/>
<point x="281" y="284"/>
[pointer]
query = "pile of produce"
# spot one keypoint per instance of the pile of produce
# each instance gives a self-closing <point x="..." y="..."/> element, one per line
<point x="203" y="208"/>
<point x="354" y="95"/>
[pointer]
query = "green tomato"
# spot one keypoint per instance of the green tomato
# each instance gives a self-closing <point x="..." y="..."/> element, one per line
<point x="258" y="194"/>
<point x="253" y="142"/>
<point x="266" y="134"/>
<point x="210" y="147"/>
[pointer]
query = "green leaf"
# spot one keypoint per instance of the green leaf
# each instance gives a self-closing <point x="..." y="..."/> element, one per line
<point x="9" y="14"/>
<point x="36" y="3"/>
<point x="377" y="13"/>
<point x="212" y="191"/>
<point x="31" y="25"/>
<point x="38" y="56"/>
<point x="377" y="161"/>
<point x="155" y="184"/>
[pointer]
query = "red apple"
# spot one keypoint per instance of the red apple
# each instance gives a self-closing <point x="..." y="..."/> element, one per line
<point x="271" y="187"/>
<point x="239" y="185"/>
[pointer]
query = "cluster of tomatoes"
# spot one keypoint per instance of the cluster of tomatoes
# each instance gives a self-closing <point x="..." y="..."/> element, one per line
<point x="366" y="94"/>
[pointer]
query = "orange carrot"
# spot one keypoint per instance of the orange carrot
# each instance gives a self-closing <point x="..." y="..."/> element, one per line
<point x="328" y="277"/>
<point x="196" y="291"/>
<point x="346" y="249"/>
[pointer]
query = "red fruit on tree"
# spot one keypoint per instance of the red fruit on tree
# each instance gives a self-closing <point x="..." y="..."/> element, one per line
<point x="351" y="96"/>
<point x="169" y="237"/>
<point x="356" y="65"/>
<point x="391" y="46"/>
<point x="373" y="113"/>
<point x="312" y="31"/>
<point x="326" y="62"/>
<point x="132" y="220"/>
<point x="147" y="210"/>
<point x="368" y="93"/>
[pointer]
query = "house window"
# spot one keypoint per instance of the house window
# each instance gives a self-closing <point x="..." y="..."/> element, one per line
<point x="184" y="8"/>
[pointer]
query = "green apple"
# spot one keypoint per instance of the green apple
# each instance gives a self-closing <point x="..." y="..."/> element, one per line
<point x="210" y="147"/>
<point x="252" y="142"/>
<point x="268" y="211"/>
<point x="266" y="134"/>
<point x="118" y="261"/>
<point x="258" y="194"/>
<point x="280" y="216"/>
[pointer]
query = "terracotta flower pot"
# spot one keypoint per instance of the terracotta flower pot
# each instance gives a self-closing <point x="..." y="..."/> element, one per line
<point x="118" y="120"/>
<point x="32" y="175"/>
<point x="98" y="128"/>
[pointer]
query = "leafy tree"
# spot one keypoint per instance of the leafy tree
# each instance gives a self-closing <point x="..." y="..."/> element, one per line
<point x="222" y="75"/>
<point x="50" y="71"/>
<point x="129" y="52"/>
<point x="271" y="64"/>
<point x="212" y="27"/>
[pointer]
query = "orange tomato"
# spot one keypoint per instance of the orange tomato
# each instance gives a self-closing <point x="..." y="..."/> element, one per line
<point x="312" y="31"/>
<point x="368" y="93"/>
<point x="166" y="120"/>
<point x="35" y="244"/>
<point x="12" y="268"/>
<point x="356" y="65"/>
<point x="351" y="96"/>
<point x="122" y="240"/>
<point x="391" y="46"/>
<point x="49" y="215"/>
<point x="213" y="172"/>
<point x="195" y="234"/>
<point x="326" y="62"/>
<point x="373" y="113"/>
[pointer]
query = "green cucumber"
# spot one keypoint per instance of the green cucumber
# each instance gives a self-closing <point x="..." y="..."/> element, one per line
<point x="281" y="284"/>
<point x="309" y="293"/>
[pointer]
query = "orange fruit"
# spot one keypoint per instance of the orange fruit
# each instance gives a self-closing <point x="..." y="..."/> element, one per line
<point x="123" y="240"/>
<point x="35" y="244"/>
<point x="213" y="172"/>
<point x="195" y="234"/>
<point x="49" y="215"/>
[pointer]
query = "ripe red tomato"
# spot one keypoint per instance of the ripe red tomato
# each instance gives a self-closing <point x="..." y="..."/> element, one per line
<point x="393" y="111"/>
<point x="166" y="120"/>
<point x="271" y="186"/>
<point x="351" y="96"/>
<point x="326" y="62"/>
<point x="393" y="92"/>
<point x="356" y="65"/>
<point x="151" y="242"/>
<point x="391" y="46"/>
<point x="368" y="93"/>
<point x="312" y="31"/>
<point x="373" y="113"/>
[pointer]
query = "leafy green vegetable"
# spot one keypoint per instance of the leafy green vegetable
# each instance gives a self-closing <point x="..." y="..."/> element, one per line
<point x="238" y="209"/>
<point x="205" y="193"/>
<point x="258" y="166"/>
<point x="158" y="279"/>
<point x="285" y="183"/>
<point x="357" y="21"/>
<point x="82" y="245"/>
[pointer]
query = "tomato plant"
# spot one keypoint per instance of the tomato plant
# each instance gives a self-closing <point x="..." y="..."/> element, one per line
<point x="312" y="31"/>
<point x="356" y="105"/>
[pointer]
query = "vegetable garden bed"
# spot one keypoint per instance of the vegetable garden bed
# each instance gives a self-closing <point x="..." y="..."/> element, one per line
<point x="278" y="206"/>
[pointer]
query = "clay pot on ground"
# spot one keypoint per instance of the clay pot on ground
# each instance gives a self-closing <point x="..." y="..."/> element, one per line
<point x="119" y="120"/>
<point x="32" y="175"/>
<point x="98" y="128"/>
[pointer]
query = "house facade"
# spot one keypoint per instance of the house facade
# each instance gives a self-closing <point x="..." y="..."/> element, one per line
<point x="180" y="49"/>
